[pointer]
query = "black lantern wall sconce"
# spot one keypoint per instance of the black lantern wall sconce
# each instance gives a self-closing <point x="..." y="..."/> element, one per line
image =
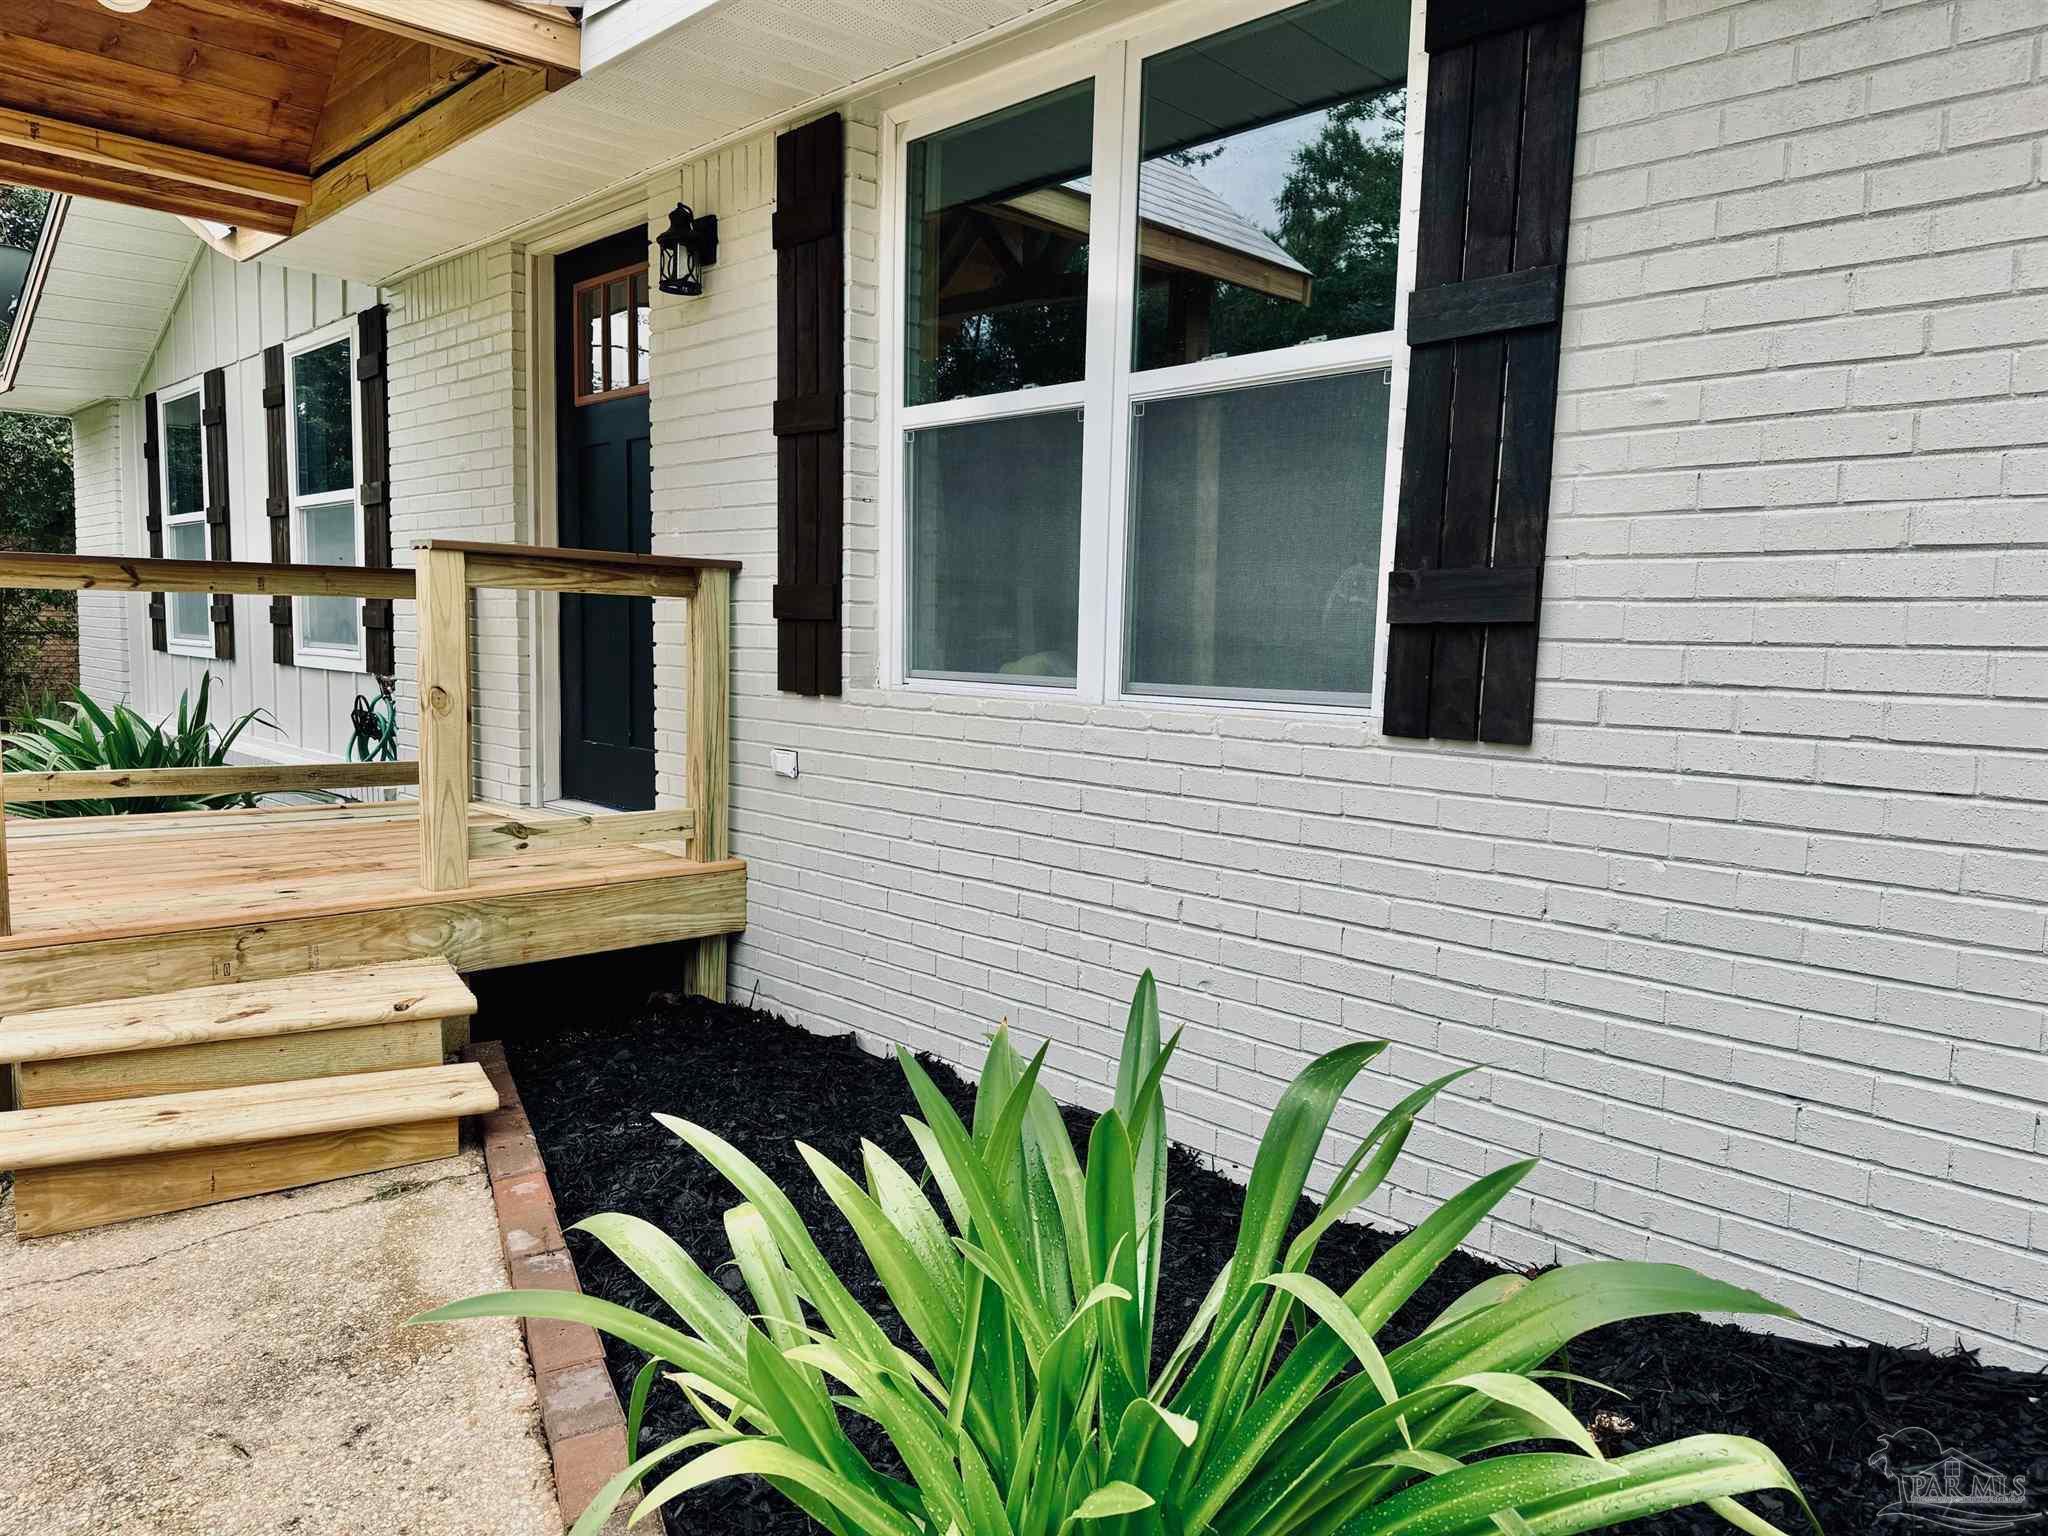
<point x="688" y="246"/>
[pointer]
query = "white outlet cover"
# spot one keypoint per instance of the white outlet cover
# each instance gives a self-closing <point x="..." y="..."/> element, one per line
<point x="783" y="761"/>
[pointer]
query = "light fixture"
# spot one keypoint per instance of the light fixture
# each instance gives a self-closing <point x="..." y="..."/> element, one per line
<point x="688" y="245"/>
<point x="126" y="7"/>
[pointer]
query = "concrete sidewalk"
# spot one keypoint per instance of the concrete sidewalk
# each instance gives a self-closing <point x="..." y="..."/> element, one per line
<point x="242" y="1368"/>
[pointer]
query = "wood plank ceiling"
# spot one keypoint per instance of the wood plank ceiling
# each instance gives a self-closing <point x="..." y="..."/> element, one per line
<point x="266" y="115"/>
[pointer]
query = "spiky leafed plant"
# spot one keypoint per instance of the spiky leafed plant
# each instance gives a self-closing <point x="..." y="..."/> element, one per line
<point x="99" y="740"/>
<point x="1032" y="1404"/>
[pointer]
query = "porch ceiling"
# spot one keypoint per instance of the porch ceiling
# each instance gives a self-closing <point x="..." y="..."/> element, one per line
<point x="266" y="115"/>
<point x="664" y="79"/>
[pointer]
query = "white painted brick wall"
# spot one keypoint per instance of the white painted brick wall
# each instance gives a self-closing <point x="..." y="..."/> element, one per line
<point x="101" y="517"/>
<point x="458" y="469"/>
<point x="1750" y="942"/>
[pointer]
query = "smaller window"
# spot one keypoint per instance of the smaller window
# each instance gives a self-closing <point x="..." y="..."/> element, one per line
<point x="617" y="327"/>
<point x="327" y="524"/>
<point x="186" y="537"/>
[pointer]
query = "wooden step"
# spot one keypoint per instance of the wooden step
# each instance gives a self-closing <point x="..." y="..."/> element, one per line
<point x="88" y="1164"/>
<point x="317" y="1000"/>
<point x="321" y="1024"/>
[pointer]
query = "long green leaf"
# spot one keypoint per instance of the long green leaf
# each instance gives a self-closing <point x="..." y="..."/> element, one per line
<point x="865" y="1512"/>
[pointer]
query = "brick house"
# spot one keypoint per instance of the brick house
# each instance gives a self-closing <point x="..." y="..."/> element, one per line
<point x="1135" y="610"/>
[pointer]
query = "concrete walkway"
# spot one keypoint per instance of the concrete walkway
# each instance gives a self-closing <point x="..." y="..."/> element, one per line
<point x="243" y="1368"/>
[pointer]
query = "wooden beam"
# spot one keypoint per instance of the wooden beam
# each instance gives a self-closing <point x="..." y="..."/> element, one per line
<point x="553" y="568"/>
<point x="4" y="929"/>
<point x="101" y="147"/>
<point x="517" y="835"/>
<point x="444" y="721"/>
<point x="707" y="764"/>
<point x="194" y="783"/>
<point x="438" y="129"/>
<point x="119" y="573"/>
<point x="510" y="34"/>
<point x="380" y="81"/>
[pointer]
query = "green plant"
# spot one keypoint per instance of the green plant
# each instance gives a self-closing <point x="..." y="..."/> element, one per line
<point x="96" y="740"/>
<point x="1034" y="1406"/>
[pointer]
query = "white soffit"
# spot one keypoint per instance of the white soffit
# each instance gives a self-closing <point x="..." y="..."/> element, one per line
<point x="113" y="281"/>
<point x="664" y="79"/>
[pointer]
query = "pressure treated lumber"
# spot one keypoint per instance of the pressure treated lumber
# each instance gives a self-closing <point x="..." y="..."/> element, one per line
<point x="708" y="757"/>
<point x="48" y="1201"/>
<point x="553" y="568"/>
<point x="341" y="999"/>
<point x="193" y="783"/>
<point x="517" y="835"/>
<point x="283" y="1058"/>
<point x="120" y="573"/>
<point x="443" y="720"/>
<point x="231" y="1117"/>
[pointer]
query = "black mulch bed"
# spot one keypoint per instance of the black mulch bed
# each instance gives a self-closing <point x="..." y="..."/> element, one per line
<point x="590" y="1088"/>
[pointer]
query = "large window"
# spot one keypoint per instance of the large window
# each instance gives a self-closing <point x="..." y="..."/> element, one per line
<point x="182" y="439"/>
<point x="326" y="523"/>
<point x="1146" y="335"/>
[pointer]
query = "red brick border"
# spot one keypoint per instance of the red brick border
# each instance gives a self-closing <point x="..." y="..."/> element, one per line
<point x="579" y="1410"/>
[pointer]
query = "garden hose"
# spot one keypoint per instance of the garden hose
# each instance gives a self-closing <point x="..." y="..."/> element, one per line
<point x="374" y="727"/>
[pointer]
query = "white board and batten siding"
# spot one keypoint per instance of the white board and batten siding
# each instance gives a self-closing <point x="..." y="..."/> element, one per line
<point x="226" y="317"/>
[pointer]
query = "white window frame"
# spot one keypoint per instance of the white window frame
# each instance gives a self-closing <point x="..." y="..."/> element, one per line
<point x="324" y="657"/>
<point x="1114" y="58"/>
<point x="200" y="644"/>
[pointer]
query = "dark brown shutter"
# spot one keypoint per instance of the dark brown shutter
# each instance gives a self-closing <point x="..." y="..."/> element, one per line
<point x="374" y="400"/>
<point x="153" y="523"/>
<point x="810" y="322"/>
<point x="220" y="539"/>
<point x="1462" y="600"/>
<point x="277" y="504"/>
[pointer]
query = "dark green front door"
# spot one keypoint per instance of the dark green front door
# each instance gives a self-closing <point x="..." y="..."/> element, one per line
<point x="602" y="503"/>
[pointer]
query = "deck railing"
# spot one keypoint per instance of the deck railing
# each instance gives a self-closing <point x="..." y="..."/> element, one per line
<point x="445" y="573"/>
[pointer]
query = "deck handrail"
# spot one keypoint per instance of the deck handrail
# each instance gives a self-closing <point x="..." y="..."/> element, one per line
<point x="203" y="783"/>
<point x="445" y="572"/>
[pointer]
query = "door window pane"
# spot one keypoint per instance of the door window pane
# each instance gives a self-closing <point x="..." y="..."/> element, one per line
<point x="590" y="326"/>
<point x="618" y="335"/>
<point x="184" y="464"/>
<point x="997" y="224"/>
<point x="995" y="548"/>
<point x="643" y="329"/>
<point x="321" y="420"/>
<point x="327" y="536"/>
<point x="1269" y="193"/>
<point x="188" y="609"/>
<point x="1255" y="544"/>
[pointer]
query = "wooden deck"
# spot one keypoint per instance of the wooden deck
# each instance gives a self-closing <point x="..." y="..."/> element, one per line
<point x="119" y="906"/>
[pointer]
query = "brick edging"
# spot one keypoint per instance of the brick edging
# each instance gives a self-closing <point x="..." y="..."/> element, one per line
<point x="579" y="1408"/>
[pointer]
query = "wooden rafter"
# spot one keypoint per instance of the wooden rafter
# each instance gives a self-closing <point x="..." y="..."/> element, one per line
<point x="441" y="127"/>
<point x="539" y="37"/>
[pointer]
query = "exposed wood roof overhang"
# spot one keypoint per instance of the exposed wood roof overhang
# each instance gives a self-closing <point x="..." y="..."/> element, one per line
<point x="264" y="115"/>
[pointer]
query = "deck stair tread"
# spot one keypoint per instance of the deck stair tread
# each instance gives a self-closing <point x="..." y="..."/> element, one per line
<point x="317" y="1000"/>
<point x="229" y="1117"/>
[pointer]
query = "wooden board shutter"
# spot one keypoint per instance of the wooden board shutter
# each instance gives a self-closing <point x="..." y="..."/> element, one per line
<point x="153" y="521"/>
<point x="220" y="539"/>
<point x="373" y="399"/>
<point x="277" y="504"/>
<point x="1462" y="600"/>
<point x="810" y="323"/>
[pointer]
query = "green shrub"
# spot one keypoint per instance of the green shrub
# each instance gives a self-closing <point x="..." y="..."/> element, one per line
<point x="96" y="740"/>
<point x="1034" y="1406"/>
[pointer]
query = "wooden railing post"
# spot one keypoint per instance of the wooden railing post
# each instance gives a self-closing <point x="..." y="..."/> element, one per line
<point x="708" y="765"/>
<point x="5" y="926"/>
<point x="442" y="592"/>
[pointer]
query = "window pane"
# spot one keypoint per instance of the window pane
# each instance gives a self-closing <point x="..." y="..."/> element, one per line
<point x="184" y="474"/>
<point x="1269" y="194"/>
<point x="643" y="329"/>
<point x="997" y="239"/>
<point x="995" y="547"/>
<point x="1255" y="545"/>
<point x="187" y="541"/>
<point x="590" y="325"/>
<point x="321" y="419"/>
<point x="619" y="334"/>
<point x="327" y="536"/>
